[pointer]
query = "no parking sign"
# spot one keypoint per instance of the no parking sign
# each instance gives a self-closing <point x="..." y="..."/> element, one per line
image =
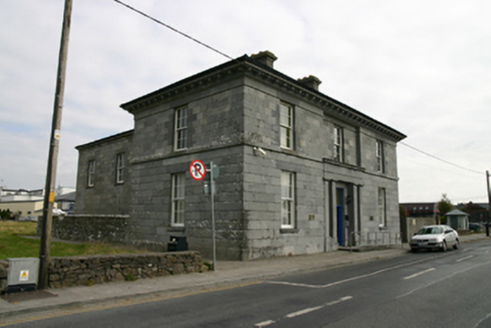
<point x="197" y="170"/>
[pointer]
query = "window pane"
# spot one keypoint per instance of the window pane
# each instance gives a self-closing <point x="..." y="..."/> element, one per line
<point x="286" y="213"/>
<point x="379" y="152"/>
<point x="285" y="137"/>
<point x="285" y="115"/>
<point x="338" y="144"/>
<point x="90" y="173"/>
<point x="178" y="199"/>
<point x="180" y="133"/>
<point x="381" y="206"/>
<point x="286" y="185"/>
<point x="182" y="117"/>
<point x="120" y="168"/>
<point x="179" y="212"/>
<point x="286" y="126"/>
<point x="287" y="199"/>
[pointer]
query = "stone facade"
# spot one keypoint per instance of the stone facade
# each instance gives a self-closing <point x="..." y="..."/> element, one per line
<point x="95" y="200"/>
<point x="234" y="119"/>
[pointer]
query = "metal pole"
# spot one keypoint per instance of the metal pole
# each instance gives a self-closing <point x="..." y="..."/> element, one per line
<point x="49" y="191"/>
<point x="212" y="193"/>
<point x="489" y="203"/>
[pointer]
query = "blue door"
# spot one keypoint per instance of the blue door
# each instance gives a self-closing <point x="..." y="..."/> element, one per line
<point x="339" y="216"/>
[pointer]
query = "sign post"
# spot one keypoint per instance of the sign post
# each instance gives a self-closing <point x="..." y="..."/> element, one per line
<point x="212" y="193"/>
<point x="198" y="172"/>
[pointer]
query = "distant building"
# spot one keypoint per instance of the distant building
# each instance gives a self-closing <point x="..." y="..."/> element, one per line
<point x="25" y="204"/>
<point x="299" y="172"/>
<point x="66" y="202"/>
<point x="418" y="215"/>
<point x="478" y="212"/>
<point x="458" y="220"/>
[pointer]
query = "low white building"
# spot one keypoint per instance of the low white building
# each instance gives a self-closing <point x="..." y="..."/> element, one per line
<point x="458" y="220"/>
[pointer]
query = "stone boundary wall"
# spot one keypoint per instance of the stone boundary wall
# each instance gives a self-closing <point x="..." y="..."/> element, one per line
<point x="4" y="271"/>
<point x="96" y="228"/>
<point x="98" y="269"/>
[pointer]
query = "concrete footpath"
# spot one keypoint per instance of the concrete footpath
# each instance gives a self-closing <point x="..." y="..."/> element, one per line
<point x="228" y="274"/>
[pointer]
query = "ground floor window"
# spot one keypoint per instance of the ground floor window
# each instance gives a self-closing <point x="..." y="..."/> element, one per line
<point x="287" y="199"/>
<point x="382" y="210"/>
<point x="178" y="198"/>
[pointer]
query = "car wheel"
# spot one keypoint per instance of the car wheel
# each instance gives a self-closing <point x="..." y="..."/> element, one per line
<point x="414" y="250"/>
<point x="456" y="246"/>
<point x="444" y="246"/>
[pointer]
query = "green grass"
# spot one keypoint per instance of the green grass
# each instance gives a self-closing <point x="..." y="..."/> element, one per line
<point x="13" y="244"/>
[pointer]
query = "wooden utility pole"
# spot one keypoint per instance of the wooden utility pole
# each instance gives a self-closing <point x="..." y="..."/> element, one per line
<point x="49" y="190"/>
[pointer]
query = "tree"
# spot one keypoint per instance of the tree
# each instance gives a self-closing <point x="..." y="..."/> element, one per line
<point x="444" y="206"/>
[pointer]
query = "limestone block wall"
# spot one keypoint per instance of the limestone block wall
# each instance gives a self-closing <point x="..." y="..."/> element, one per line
<point x="106" y="196"/>
<point x="150" y="220"/>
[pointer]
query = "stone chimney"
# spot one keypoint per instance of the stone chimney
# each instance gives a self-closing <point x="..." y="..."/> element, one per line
<point x="311" y="82"/>
<point x="265" y="57"/>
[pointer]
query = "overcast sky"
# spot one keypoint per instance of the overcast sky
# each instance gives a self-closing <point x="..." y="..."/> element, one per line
<point x="422" y="67"/>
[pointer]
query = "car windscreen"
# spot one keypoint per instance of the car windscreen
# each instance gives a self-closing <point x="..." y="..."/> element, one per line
<point x="430" y="231"/>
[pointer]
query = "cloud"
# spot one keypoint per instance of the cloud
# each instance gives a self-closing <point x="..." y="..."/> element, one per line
<point x="421" y="67"/>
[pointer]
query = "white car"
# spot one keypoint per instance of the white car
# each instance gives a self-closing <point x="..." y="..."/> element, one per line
<point x="57" y="211"/>
<point x="435" y="237"/>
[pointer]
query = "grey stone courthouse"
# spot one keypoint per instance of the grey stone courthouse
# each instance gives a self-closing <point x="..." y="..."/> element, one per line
<point x="299" y="172"/>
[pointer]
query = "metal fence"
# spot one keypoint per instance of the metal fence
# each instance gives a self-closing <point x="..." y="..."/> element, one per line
<point x="374" y="238"/>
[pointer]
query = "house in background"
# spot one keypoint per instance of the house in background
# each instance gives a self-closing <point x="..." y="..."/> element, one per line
<point x="458" y="220"/>
<point x="26" y="204"/>
<point x="300" y="172"/>
<point x="478" y="212"/>
<point x="66" y="202"/>
<point x="23" y="204"/>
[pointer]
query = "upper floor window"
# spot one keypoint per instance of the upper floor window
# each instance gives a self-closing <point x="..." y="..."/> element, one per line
<point x="181" y="128"/>
<point x="178" y="198"/>
<point x="287" y="199"/>
<point x="379" y="154"/>
<point x="90" y="173"/>
<point x="286" y="126"/>
<point x="120" y="168"/>
<point x="338" y="144"/>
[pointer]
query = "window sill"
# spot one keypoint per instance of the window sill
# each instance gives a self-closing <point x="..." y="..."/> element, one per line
<point x="288" y="230"/>
<point x="343" y="164"/>
<point x="290" y="151"/>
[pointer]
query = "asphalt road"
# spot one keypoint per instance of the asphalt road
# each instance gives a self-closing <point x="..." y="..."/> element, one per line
<point x="426" y="289"/>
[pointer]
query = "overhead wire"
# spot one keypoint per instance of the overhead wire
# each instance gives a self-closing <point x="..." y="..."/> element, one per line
<point x="439" y="159"/>
<point x="449" y="170"/>
<point x="229" y="57"/>
<point x="172" y="28"/>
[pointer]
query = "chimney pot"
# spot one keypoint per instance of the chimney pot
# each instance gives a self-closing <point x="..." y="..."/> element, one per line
<point x="311" y="82"/>
<point x="265" y="57"/>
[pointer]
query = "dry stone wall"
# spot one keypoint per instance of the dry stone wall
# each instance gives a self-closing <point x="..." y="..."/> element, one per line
<point x="98" y="269"/>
